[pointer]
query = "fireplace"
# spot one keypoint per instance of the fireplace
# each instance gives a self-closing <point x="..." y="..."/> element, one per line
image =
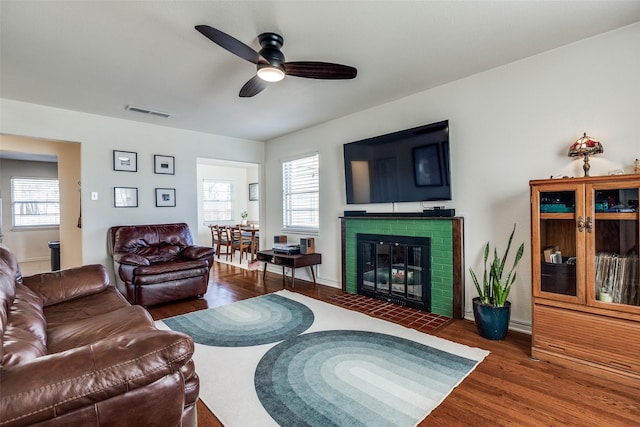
<point x="395" y="269"/>
<point x="443" y="272"/>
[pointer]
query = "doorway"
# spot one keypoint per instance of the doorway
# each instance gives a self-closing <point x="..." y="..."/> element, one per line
<point x="31" y="246"/>
<point x="242" y="181"/>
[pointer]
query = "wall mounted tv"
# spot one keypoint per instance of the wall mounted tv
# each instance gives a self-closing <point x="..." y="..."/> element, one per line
<point x="406" y="166"/>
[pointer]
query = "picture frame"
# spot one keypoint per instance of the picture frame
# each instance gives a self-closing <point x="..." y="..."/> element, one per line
<point x="165" y="197"/>
<point x="254" y="192"/>
<point x="125" y="197"/>
<point x="164" y="164"/>
<point x="125" y="161"/>
<point x="427" y="166"/>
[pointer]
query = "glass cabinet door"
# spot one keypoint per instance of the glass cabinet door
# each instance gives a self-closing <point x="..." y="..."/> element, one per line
<point x="559" y="224"/>
<point x="612" y="247"/>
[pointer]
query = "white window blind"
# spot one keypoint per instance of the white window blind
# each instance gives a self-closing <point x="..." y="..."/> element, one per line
<point x="217" y="200"/>
<point x="301" y="194"/>
<point x="35" y="202"/>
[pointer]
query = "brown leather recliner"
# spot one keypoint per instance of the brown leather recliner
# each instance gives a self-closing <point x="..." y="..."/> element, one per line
<point x="74" y="352"/>
<point x="158" y="263"/>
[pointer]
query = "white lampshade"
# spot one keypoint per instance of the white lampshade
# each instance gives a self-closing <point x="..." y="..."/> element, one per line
<point x="270" y="74"/>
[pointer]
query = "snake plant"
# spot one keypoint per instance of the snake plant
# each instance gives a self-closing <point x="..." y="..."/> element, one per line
<point x="495" y="288"/>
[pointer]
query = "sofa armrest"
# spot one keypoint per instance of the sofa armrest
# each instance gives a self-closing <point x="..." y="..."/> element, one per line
<point x="197" y="252"/>
<point x="59" y="383"/>
<point x="68" y="284"/>
<point x="130" y="259"/>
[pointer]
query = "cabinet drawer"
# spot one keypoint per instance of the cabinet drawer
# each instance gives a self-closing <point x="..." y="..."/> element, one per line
<point x="590" y="337"/>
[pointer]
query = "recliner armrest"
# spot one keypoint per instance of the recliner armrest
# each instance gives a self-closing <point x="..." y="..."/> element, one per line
<point x="130" y="259"/>
<point x="63" y="382"/>
<point x="68" y="284"/>
<point x="197" y="252"/>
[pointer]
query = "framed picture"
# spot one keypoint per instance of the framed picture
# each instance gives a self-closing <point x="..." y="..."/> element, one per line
<point x="125" y="197"/>
<point x="426" y="165"/>
<point x="165" y="197"/>
<point x="125" y="161"/>
<point x="164" y="164"/>
<point x="253" y="191"/>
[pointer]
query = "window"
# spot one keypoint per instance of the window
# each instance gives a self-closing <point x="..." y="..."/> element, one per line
<point x="35" y="202"/>
<point x="301" y="194"/>
<point x="217" y="200"/>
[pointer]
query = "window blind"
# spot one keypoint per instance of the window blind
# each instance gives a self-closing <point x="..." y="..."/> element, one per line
<point x="35" y="202"/>
<point x="217" y="200"/>
<point x="301" y="194"/>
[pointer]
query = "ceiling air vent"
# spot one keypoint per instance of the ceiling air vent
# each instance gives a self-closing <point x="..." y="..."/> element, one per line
<point x="146" y="111"/>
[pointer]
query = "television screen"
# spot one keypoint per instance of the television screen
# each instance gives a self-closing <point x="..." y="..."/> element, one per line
<point x="406" y="166"/>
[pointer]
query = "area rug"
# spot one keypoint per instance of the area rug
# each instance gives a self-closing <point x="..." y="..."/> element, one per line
<point x="286" y="359"/>
<point x="245" y="264"/>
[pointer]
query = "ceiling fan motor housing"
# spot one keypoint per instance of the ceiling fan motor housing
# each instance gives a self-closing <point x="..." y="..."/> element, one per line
<point x="271" y="44"/>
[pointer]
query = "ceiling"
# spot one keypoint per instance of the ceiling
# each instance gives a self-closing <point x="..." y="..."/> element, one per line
<point x="100" y="56"/>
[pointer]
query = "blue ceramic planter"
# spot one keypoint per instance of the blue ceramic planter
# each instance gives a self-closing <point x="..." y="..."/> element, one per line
<point x="492" y="322"/>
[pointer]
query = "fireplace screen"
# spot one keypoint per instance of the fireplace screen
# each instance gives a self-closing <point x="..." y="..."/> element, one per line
<point x="395" y="269"/>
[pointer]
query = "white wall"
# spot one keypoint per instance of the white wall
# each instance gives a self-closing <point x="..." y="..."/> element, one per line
<point x="507" y="126"/>
<point x="99" y="136"/>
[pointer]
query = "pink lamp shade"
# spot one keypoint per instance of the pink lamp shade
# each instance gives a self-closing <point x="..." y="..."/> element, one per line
<point x="585" y="147"/>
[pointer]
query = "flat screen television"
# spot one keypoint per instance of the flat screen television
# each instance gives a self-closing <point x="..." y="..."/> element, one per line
<point x="406" y="166"/>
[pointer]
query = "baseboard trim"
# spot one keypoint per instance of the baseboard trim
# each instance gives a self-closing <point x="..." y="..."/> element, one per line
<point x="35" y="259"/>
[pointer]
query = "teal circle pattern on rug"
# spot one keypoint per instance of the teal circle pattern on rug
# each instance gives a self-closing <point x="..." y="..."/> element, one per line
<point x="355" y="378"/>
<point x="268" y="319"/>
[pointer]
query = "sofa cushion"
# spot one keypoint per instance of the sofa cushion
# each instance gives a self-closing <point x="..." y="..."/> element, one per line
<point x="20" y="346"/>
<point x="26" y="313"/>
<point x="157" y="254"/>
<point x="131" y="238"/>
<point x="169" y="267"/>
<point x="8" y="271"/>
<point x="85" y="308"/>
<point x="25" y="336"/>
<point x="81" y="332"/>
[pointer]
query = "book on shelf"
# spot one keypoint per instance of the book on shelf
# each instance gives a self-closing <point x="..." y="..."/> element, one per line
<point x="552" y="255"/>
<point x="617" y="277"/>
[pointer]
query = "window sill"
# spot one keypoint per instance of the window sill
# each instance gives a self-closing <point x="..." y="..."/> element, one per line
<point x="34" y="228"/>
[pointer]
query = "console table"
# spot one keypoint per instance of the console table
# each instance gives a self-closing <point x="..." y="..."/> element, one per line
<point x="292" y="261"/>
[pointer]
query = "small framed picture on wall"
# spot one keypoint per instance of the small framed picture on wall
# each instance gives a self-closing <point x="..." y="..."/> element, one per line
<point x="126" y="161"/>
<point x="164" y="164"/>
<point x="125" y="197"/>
<point x="253" y="192"/>
<point x="165" y="197"/>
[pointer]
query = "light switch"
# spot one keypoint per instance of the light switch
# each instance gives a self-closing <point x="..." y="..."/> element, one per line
<point x="94" y="195"/>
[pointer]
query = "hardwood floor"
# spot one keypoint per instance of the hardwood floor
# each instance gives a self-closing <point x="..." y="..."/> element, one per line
<point x="506" y="389"/>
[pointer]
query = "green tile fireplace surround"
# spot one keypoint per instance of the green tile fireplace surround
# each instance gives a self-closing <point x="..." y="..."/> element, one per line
<point x="447" y="248"/>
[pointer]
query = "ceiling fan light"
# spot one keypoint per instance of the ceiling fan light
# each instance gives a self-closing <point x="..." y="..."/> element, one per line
<point x="270" y="74"/>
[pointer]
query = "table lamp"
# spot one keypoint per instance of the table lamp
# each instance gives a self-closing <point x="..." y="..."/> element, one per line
<point x="585" y="147"/>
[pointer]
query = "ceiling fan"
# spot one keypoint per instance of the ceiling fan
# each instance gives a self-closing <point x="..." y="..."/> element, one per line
<point x="270" y="62"/>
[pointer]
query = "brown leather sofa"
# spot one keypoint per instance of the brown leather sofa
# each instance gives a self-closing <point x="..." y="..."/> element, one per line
<point x="158" y="263"/>
<point x="74" y="352"/>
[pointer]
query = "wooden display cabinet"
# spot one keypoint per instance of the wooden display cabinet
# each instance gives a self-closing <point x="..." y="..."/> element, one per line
<point x="585" y="274"/>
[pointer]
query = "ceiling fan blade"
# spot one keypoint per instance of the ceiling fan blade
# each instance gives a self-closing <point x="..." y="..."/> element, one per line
<point x="320" y="70"/>
<point x="231" y="44"/>
<point x="254" y="86"/>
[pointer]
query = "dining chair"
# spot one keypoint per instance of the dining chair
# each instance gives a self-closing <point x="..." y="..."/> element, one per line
<point x="240" y="242"/>
<point x="220" y="238"/>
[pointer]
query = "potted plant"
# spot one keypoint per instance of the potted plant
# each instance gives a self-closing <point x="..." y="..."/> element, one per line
<point x="491" y="309"/>
<point x="244" y="216"/>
